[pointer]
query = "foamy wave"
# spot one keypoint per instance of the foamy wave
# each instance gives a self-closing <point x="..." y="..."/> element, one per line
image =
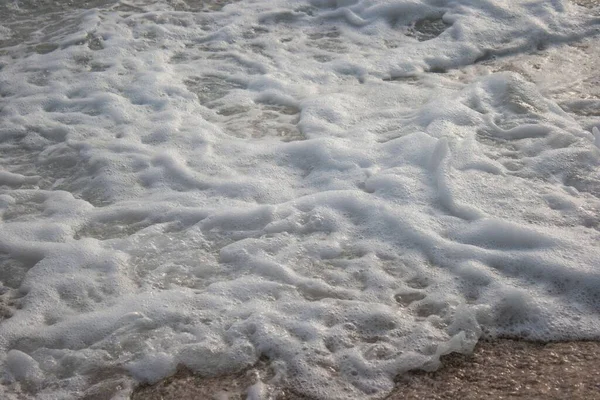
<point x="348" y="188"/>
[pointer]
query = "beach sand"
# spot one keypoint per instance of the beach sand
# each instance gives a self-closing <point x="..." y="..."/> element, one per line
<point x="511" y="369"/>
<point x="500" y="369"/>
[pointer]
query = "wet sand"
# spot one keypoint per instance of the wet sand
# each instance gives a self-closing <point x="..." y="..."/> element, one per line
<point x="510" y="369"/>
<point x="502" y="369"/>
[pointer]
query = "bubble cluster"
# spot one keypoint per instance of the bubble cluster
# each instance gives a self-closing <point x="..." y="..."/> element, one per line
<point x="319" y="184"/>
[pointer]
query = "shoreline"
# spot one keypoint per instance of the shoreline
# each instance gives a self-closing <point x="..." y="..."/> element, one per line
<point x="50" y="335"/>
<point x="510" y="369"/>
<point x="497" y="369"/>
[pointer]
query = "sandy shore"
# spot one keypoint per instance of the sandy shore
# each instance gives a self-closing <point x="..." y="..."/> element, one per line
<point x="509" y="369"/>
<point x="502" y="369"/>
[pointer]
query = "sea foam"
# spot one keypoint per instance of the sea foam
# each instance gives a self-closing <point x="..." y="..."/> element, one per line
<point x="350" y="189"/>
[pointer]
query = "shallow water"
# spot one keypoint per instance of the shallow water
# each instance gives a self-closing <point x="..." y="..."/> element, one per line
<point x="348" y="189"/>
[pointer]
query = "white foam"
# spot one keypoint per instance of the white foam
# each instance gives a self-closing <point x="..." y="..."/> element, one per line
<point x="291" y="180"/>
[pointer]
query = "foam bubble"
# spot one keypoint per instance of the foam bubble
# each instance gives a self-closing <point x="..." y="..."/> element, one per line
<point x="350" y="189"/>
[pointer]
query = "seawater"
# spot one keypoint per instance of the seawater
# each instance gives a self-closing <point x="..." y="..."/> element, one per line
<point x="347" y="188"/>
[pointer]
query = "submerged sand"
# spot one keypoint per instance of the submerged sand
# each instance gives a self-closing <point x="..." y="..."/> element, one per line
<point x="500" y="369"/>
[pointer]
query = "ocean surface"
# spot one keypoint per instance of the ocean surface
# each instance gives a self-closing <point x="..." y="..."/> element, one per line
<point x="347" y="189"/>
